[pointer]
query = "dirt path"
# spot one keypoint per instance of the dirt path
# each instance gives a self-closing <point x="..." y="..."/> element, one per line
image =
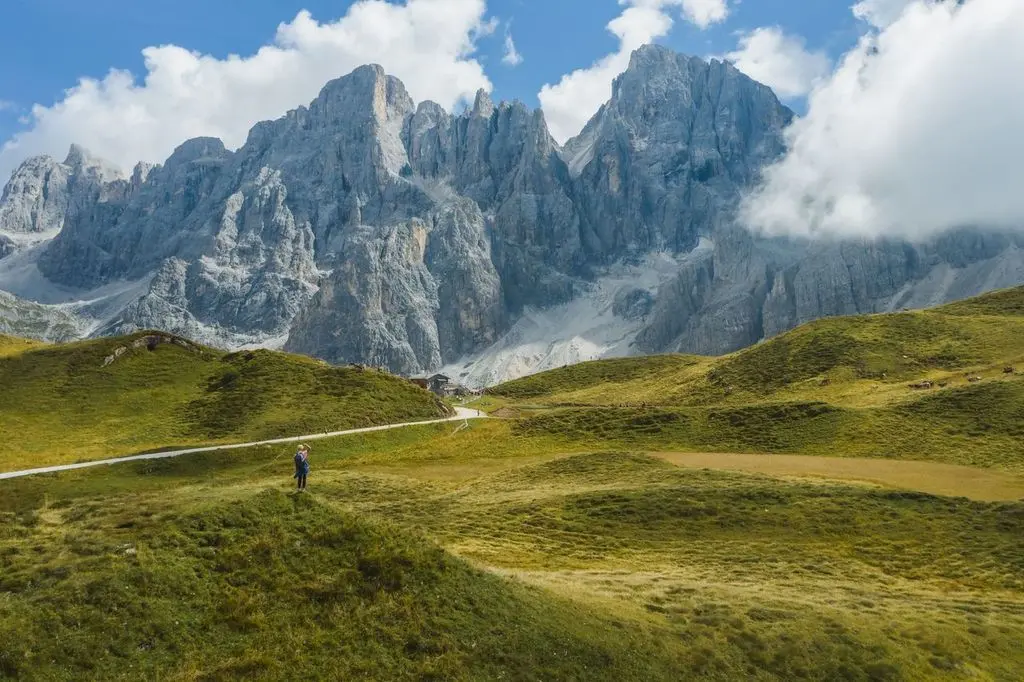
<point x="461" y="414"/>
<point x="987" y="485"/>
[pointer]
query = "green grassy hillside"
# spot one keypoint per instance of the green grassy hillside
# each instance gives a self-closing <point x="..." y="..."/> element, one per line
<point x="432" y="553"/>
<point x="118" y="396"/>
<point x="852" y="386"/>
<point x="11" y="345"/>
<point x="272" y="587"/>
<point x="602" y="377"/>
<point x="837" y="359"/>
<point x="596" y="532"/>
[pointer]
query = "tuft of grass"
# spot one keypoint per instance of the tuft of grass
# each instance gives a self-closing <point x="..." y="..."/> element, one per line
<point x="118" y="396"/>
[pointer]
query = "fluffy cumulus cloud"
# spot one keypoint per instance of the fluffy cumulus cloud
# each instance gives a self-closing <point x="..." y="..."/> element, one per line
<point x="570" y="103"/>
<point x="780" y="61"/>
<point x="704" y="13"/>
<point x="429" y="44"/>
<point x="511" y="56"/>
<point x="917" y="131"/>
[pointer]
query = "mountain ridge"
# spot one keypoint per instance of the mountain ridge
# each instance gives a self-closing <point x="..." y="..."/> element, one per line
<point x="368" y="228"/>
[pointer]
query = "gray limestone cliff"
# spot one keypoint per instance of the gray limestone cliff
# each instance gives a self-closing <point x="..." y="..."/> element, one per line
<point x="366" y="228"/>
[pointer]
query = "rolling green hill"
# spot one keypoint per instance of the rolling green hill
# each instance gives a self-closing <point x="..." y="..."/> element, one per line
<point x="944" y="384"/>
<point x="471" y="554"/>
<point x="832" y="358"/>
<point x="273" y="587"/>
<point x="11" y="345"/>
<point x="118" y="396"/>
<point x="600" y="530"/>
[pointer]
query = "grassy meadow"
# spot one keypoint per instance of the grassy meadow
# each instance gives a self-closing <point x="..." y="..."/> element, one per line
<point x="851" y="387"/>
<point x="65" y="403"/>
<point x="794" y="511"/>
<point x="474" y="553"/>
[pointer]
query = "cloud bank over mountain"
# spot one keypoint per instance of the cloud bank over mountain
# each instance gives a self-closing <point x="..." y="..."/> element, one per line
<point x="916" y="132"/>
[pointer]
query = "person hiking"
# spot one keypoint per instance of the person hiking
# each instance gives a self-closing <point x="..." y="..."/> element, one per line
<point x="301" y="466"/>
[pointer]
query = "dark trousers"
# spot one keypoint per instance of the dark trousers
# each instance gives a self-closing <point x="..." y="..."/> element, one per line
<point x="302" y="481"/>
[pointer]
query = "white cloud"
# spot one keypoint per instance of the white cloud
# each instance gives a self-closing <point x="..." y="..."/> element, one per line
<point x="781" y="62"/>
<point x="512" y="56"/>
<point x="7" y="105"/>
<point x="918" y="131"/>
<point x="570" y="103"/>
<point x="880" y="13"/>
<point x="429" y="44"/>
<point x="704" y="13"/>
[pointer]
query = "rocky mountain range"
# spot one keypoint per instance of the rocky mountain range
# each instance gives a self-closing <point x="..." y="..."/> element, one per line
<point x="367" y="228"/>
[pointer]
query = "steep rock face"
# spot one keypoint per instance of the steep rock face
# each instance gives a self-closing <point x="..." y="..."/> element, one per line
<point x="132" y="226"/>
<point x="27" y="319"/>
<point x="407" y="296"/>
<point x="379" y="304"/>
<point x="245" y="223"/>
<point x="35" y="199"/>
<point x="458" y="254"/>
<point x="255" y="276"/>
<point x="664" y="161"/>
<point x="365" y="228"/>
<point x="503" y="158"/>
<point x="41" y="192"/>
<point x="341" y="158"/>
<point x="747" y="289"/>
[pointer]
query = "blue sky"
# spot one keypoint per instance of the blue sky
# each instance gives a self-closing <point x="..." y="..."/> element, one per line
<point x="49" y="44"/>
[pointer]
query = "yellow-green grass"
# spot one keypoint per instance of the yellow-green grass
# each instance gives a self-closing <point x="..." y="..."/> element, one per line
<point x="852" y="386"/>
<point x="861" y="361"/>
<point x="977" y="425"/>
<point x="987" y="485"/>
<point x="11" y="345"/>
<point x="642" y="570"/>
<point x="66" y="403"/>
<point x="269" y="586"/>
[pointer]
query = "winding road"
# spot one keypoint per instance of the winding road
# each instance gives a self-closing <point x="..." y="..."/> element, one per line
<point x="461" y="414"/>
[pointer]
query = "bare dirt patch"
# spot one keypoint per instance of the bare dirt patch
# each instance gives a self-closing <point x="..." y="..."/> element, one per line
<point x="952" y="480"/>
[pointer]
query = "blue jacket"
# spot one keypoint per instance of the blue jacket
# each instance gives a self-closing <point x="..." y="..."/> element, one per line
<point x="301" y="466"/>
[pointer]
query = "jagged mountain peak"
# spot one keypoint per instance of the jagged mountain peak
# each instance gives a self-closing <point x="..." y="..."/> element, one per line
<point x="79" y="160"/>
<point x="428" y="233"/>
<point x="198" y="149"/>
<point x="34" y="165"/>
<point x="430" y="107"/>
<point x="657" y="72"/>
<point x="366" y="91"/>
<point x="483" y="105"/>
<point x="663" y="94"/>
<point x="77" y="156"/>
<point x="652" y="55"/>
